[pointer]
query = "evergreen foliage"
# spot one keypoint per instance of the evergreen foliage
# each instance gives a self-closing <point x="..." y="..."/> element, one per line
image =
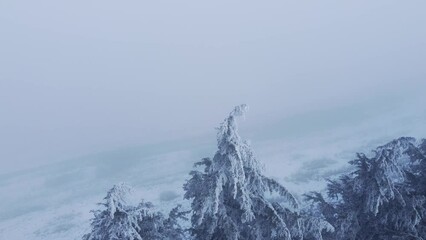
<point x="230" y="195"/>
<point x="119" y="220"/>
<point x="383" y="198"/>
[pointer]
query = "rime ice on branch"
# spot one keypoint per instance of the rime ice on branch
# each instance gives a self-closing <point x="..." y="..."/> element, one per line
<point x="229" y="195"/>
<point x="383" y="198"/>
<point x="118" y="220"/>
<point x="121" y="221"/>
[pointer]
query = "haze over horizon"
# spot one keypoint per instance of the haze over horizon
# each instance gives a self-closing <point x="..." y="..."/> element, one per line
<point x="90" y="76"/>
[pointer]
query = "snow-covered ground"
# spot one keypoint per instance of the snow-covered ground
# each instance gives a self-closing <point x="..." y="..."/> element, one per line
<point x="53" y="201"/>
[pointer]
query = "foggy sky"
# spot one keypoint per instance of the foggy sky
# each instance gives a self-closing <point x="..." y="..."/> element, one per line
<point x="86" y="76"/>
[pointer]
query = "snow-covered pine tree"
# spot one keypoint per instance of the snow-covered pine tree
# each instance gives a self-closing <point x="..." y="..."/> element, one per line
<point x="118" y="220"/>
<point x="417" y="182"/>
<point x="418" y="171"/>
<point x="378" y="200"/>
<point x="173" y="229"/>
<point x="150" y="222"/>
<point x="229" y="196"/>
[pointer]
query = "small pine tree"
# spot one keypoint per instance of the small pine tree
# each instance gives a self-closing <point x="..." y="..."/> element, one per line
<point x="173" y="229"/>
<point x="229" y="196"/>
<point x="118" y="220"/>
<point x="154" y="226"/>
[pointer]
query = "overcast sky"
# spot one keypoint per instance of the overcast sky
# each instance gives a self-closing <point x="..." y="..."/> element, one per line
<point x="86" y="76"/>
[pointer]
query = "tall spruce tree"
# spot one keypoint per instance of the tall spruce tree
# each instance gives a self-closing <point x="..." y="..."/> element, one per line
<point x="229" y="196"/>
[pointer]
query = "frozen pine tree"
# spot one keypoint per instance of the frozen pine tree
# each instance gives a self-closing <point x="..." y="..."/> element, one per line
<point x="118" y="220"/>
<point x="173" y="229"/>
<point x="381" y="199"/>
<point x="153" y="225"/>
<point x="417" y="182"/>
<point x="229" y="196"/>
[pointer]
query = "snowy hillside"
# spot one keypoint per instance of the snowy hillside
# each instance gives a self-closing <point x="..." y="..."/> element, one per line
<point x="53" y="201"/>
<point x="100" y="97"/>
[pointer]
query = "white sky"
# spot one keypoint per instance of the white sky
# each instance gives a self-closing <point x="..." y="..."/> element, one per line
<point x="86" y="76"/>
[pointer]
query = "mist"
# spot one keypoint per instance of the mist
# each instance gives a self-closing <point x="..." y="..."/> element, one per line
<point x="80" y="77"/>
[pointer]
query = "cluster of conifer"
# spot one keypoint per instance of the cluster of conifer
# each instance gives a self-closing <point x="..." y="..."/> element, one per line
<point x="384" y="197"/>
